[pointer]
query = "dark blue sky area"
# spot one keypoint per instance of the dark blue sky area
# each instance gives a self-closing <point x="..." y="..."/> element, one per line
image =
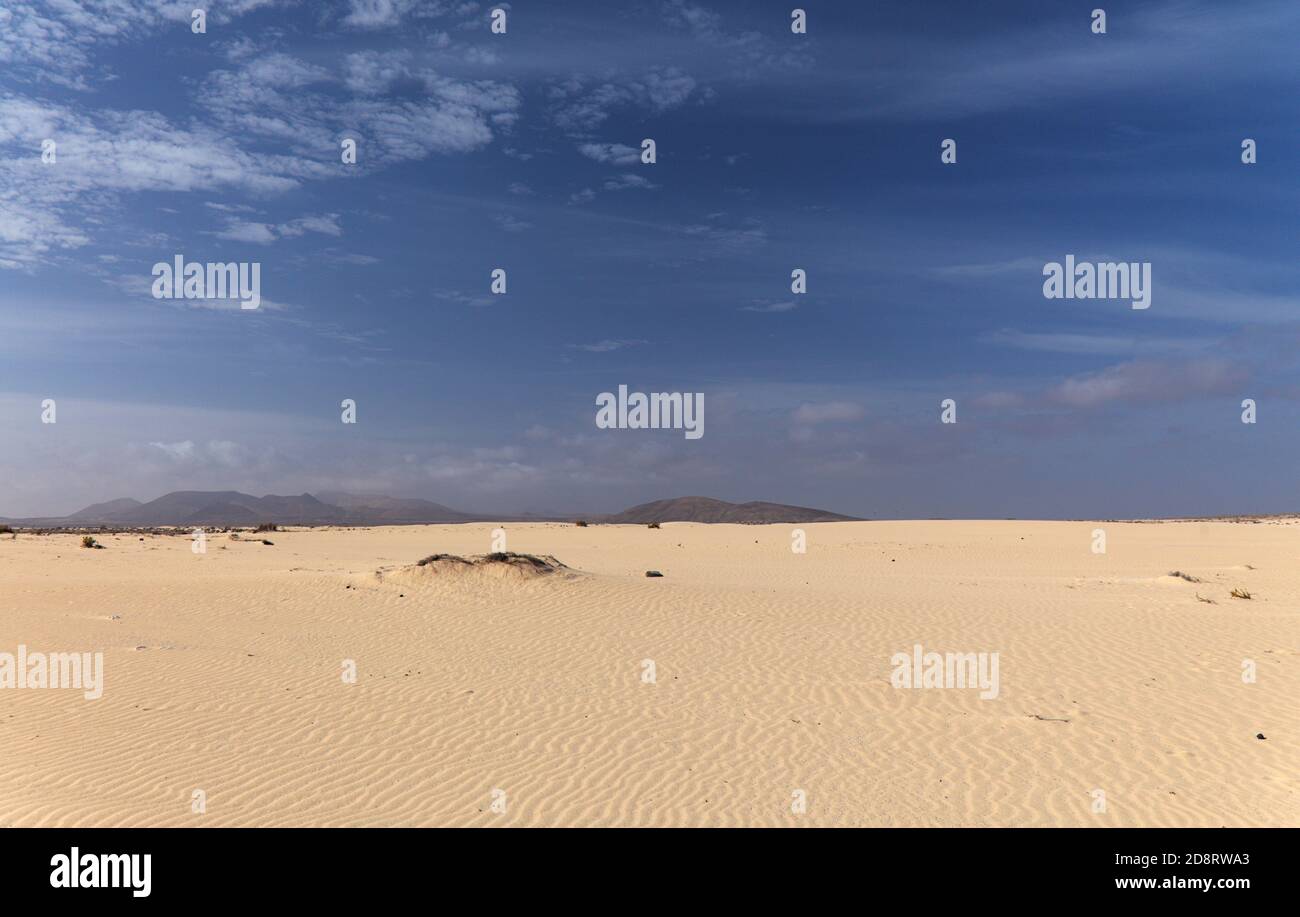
<point x="775" y="151"/>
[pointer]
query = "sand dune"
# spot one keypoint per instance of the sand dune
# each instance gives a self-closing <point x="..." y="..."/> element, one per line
<point x="224" y="674"/>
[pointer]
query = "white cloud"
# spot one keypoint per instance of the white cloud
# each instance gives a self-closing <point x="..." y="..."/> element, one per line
<point x="607" y="346"/>
<point x="462" y="298"/>
<point x="732" y="239"/>
<point x="697" y="19"/>
<point x="265" y="233"/>
<point x="811" y="414"/>
<point x="579" y="108"/>
<point x="511" y="223"/>
<point x="628" y="180"/>
<point x="99" y="158"/>
<point x="295" y="105"/>
<point x="52" y="41"/>
<point x="377" y="14"/>
<point x="617" y="153"/>
<point x="325" y="223"/>
<point x="1066" y="342"/>
<point x="284" y="100"/>
<point x="181" y="452"/>
<point x="256" y="233"/>
<point x="1149" y="381"/>
<point x="219" y="453"/>
<point x="373" y="72"/>
<point x="1036" y="64"/>
<point x="388" y="14"/>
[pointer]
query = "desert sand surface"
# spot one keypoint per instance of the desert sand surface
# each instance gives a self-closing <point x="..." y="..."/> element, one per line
<point x="224" y="674"/>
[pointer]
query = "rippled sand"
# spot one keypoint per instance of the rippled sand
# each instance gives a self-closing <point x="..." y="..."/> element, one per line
<point x="771" y="675"/>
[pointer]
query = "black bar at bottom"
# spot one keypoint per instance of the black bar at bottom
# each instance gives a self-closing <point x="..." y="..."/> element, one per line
<point x="651" y="868"/>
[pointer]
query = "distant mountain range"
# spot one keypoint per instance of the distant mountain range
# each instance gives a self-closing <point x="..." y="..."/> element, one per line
<point x="231" y="508"/>
<point x="706" y="509"/>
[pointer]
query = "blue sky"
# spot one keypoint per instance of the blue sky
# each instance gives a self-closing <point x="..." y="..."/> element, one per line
<point x="775" y="151"/>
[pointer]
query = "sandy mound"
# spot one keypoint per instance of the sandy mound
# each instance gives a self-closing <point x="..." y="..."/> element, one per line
<point x="452" y="567"/>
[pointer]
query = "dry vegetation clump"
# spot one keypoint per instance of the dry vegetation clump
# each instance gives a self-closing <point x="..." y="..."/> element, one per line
<point x="498" y="562"/>
<point x="1241" y="594"/>
<point x="88" y="541"/>
<point x="266" y="527"/>
<point x="499" y="557"/>
<point x="435" y="557"/>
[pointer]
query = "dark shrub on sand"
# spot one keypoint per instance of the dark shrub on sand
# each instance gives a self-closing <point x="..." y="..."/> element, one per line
<point x="531" y="562"/>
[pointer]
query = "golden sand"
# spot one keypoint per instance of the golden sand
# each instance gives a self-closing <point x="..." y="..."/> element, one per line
<point x="772" y="677"/>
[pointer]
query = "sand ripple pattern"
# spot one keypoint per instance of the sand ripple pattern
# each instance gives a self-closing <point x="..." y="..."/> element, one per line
<point x="223" y="674"/>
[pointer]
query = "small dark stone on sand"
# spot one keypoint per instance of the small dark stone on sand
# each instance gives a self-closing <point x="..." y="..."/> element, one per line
<point x="653" y="573"/>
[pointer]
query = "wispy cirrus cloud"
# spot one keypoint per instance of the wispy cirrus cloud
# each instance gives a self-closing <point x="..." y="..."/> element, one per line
<point x="619" y="154"/>
<point x="102" y="157"/>
<point x="1093" y="344"/>
<point x="52" y="41"/>
<point x="788" y="305"/>
<point x="627" y="181"/>
<point x="1135" y="382"/>
<point x="389" y="14"/>
<point x="580" y="105"/>
<point x="280" y="98"/>
<point x="607" y="346"/>
<point x="303" y="109"/>
<point x="1031" y="62"/>
<point x="811" y="414"/>
<point x="1148" y="382"/>
<point x="511" y="223"/>
<point x="265" y="233"/>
